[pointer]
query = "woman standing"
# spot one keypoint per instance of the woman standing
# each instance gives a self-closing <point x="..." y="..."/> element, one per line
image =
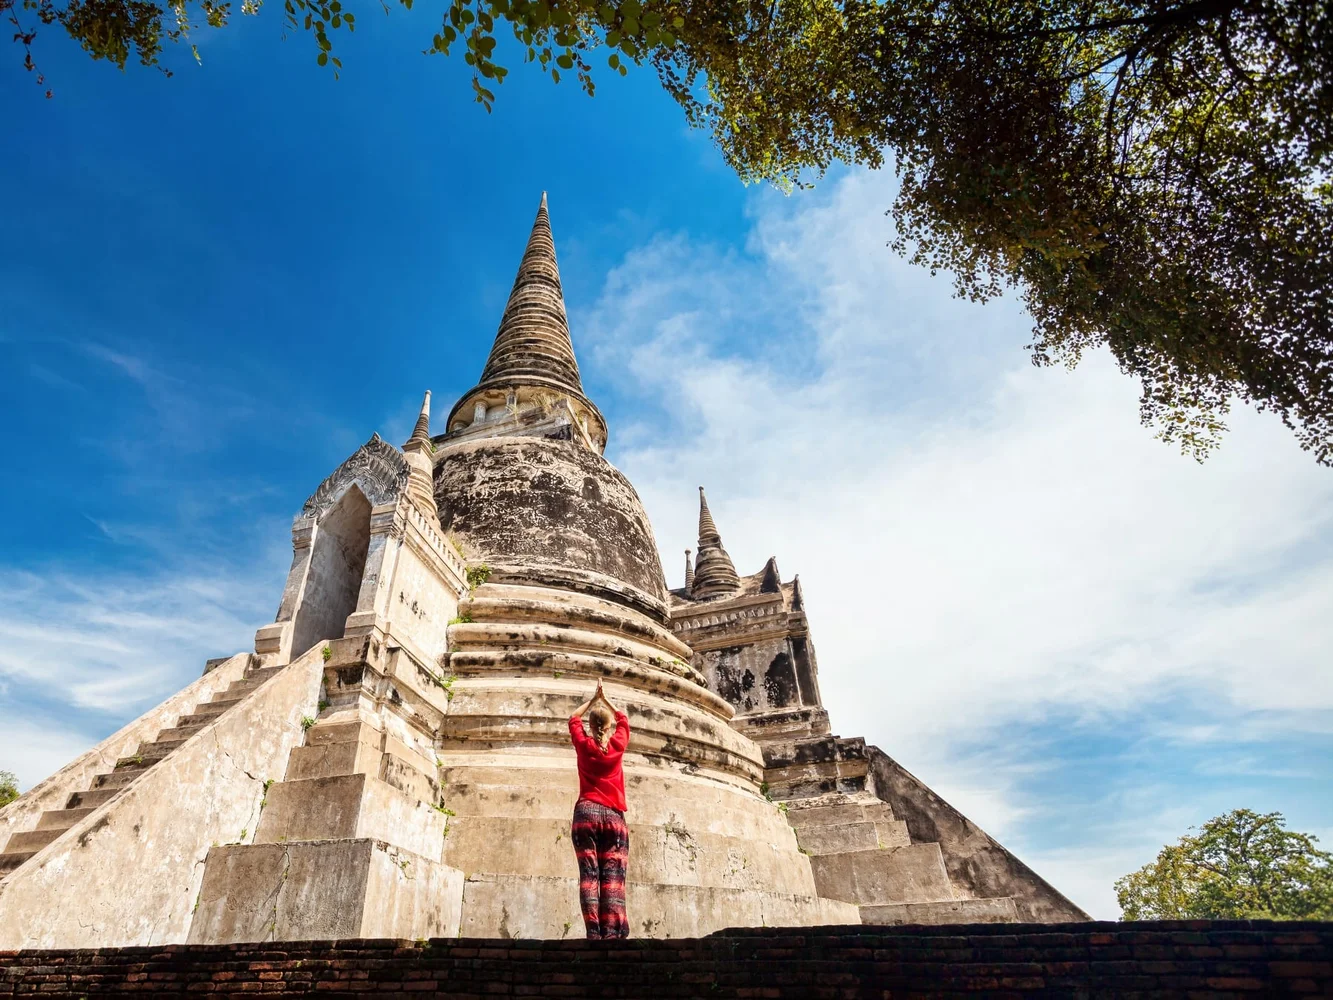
<point x="601" y="838"/>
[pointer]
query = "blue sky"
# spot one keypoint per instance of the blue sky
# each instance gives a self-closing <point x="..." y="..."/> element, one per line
<point x="218" y="285"/>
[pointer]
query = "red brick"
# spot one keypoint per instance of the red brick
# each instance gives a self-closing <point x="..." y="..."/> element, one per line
<point x="1300" y="970"/>
<point x="1234" y="983"/>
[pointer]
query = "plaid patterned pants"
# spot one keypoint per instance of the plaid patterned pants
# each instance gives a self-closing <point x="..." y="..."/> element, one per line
<point x="601" y="844"/>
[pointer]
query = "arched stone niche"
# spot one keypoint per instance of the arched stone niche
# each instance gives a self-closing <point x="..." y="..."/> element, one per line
<point x="333" y="579"/>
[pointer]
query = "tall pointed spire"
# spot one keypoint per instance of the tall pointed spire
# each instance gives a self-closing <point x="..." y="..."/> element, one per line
<point x="714" y="572"/>
<point x="689" y="572"/>
<point x="533" y="340"/>
<point x="420" y="465"/>
<point x="532" y="349"/>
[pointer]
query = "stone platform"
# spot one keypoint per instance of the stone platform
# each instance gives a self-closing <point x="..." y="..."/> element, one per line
<point x="1200" y="959"/>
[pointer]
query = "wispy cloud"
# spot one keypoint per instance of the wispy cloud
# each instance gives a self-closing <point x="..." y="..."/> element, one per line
<point x="111" y="642"/>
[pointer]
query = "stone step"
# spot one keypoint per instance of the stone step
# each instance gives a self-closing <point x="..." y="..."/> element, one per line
<point x="839" y="838"/>
<point x="220" y="701"/>
<point x="136" y="762"/>
<point x="847" y="811"/>
<point x="94" y="797"/>
<point x="10" y="860"/>
<point x="201" y="716"/>
<point x="179" y="732"/>
<point x="264" y="673"/>
<point x="913" y="874"/>
<point x="248" y="683"/>
<point x="158" y="749"/>
<point x="31" y="840"/>
<point x="999" y="910"/>
<point x="62" y="819"/>
<point x="117" y="780"/>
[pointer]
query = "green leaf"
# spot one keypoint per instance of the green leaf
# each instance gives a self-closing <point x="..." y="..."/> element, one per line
<point x="322" y="59"/>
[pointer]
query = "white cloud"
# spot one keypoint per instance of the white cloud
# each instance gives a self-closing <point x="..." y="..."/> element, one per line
<point x="35" y="750"/>
<point x="983" y="544"/>
<point x="83" y="652"/>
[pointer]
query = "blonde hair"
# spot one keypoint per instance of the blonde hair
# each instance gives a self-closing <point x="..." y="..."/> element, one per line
<point x="600" y="720"/>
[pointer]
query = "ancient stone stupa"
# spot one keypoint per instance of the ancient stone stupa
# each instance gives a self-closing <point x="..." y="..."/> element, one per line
<point x="392" y="759"/>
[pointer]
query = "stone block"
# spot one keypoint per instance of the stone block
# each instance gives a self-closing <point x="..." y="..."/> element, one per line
<point x="346" y="807"/>
<point x="326" y="760"/>
<point x="956" y="911"/>
<point x="359" y="888"/>
<point x="912" y="874"/>
<point x="527" y="906"/>
<point x="839" y="838"/>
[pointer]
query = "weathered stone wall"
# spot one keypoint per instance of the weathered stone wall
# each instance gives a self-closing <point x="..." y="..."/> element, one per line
<point x="413" y="579"/>
<point x="1199" y="960"/>
<point x="755" y="677"/>
<point x="975" y="861"/>
<point x="129" y="873"/>
<point x="556" y="513"/>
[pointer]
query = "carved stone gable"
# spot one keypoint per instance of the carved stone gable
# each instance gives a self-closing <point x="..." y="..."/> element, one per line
<point x="378" y="469"/>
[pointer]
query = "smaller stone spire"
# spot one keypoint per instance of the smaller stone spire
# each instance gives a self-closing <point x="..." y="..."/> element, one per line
<point x="707" y="529"/>
<point x="421" y="432"/>
<point x="420" y="465"/>
<point x="714" y="572"/>
<point x="689" y="572"/>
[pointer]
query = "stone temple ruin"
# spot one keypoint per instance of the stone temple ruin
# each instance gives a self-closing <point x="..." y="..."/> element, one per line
<point x="392" y="760"/>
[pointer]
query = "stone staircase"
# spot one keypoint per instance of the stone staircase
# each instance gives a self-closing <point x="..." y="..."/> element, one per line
<point x="105" y="787"/>
<point x="859" y="850"/>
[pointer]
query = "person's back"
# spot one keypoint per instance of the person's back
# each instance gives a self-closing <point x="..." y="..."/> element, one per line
<point x="599" y="833"/>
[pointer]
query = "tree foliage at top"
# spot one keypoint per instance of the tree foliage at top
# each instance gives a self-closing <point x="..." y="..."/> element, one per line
<point x="1153" y="176"/>
<point x="1244" y="865"/>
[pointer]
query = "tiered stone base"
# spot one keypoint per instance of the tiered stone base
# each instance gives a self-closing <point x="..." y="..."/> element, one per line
<point x="706" y="849"/>
<point x="859" y="850"/>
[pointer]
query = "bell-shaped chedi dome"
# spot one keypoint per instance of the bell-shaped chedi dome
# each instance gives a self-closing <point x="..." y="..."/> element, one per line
<point x="520" y="481"/>
<point x="551" y="513"/>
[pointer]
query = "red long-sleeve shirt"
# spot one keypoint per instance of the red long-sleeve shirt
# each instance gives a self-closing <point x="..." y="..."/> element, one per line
<point x="601" y="778"/>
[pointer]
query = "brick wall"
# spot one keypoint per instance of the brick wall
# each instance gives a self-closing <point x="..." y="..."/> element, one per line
<point x="1188" y="959"/>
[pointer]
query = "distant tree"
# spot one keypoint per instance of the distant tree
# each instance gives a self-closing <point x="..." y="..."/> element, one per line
<point x="1153" y="176"/>
<point x="1242" y="865"/>
<point x="9" y="788"/>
